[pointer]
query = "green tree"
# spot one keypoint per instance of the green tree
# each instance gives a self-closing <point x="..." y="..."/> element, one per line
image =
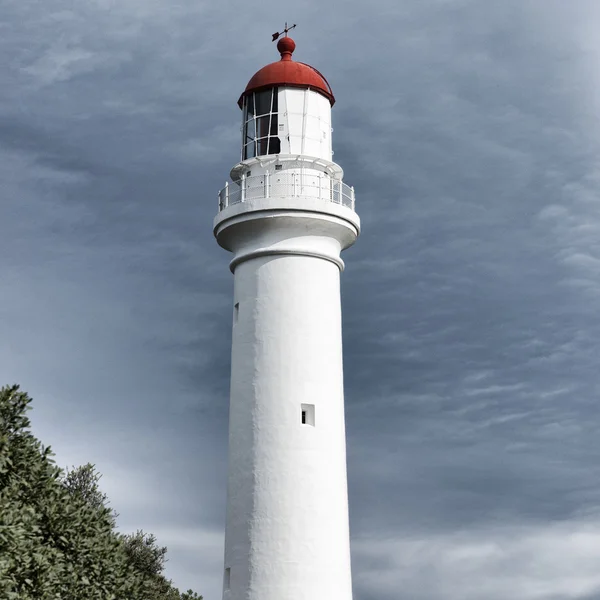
<point x="148" y="559"/>
<point x="83" y="481"/>
<point x="53" y="545"/>
<point x="57" y="537"/>
<point x="189" y="595"/>
<point x="144" y="554"/>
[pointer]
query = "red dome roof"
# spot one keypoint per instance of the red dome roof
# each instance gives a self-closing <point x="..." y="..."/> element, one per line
<point x="288" y="73"/>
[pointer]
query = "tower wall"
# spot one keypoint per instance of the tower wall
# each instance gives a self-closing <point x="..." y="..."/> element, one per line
<point x="287" y="523"/>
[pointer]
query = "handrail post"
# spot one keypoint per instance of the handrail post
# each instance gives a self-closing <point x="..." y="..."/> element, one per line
<point x="295" y="186"/>
<point x="352" y="198"/>
<point x="243" y="190"/>
<point x="226" y="194"/>
<point x="267" y="183"/>
<point x="319" y="180"/>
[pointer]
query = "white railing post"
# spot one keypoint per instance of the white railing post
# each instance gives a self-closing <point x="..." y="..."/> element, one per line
<point x="295" y="186"/>
<point x="352" y="198"/>
<point x="243" y="190"/>
<point x="226" y="194"/>
<point x="319" y="180"/>
<point x="267" y="183"/>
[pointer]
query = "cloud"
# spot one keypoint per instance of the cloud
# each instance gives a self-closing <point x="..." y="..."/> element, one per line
<point x="469" y="131"/>
<point x="575" y="226"/>
<point x="549" y="561"/>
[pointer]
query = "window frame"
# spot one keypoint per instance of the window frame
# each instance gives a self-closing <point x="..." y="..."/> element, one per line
<point x="262" y="137"/>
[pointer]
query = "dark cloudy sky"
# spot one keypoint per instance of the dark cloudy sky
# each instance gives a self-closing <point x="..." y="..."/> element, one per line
<point x="470" y="131"/>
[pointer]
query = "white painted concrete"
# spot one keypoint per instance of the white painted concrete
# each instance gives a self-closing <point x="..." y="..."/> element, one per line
<point x="287" y="533"/>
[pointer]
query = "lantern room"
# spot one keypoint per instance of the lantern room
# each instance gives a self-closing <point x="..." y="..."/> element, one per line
<point x="286" y="152"/>
<point x="287" y="109"/>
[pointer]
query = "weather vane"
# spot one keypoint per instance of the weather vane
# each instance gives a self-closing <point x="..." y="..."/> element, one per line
<point x="276" y="35"/>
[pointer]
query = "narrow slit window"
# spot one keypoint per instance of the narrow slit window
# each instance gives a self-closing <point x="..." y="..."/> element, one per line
<point x="307" y="414"/>
<point x="227" y="582"/>
<point x="236" y="312"/>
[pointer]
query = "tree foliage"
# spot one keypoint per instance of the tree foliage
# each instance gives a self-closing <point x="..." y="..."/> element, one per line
<point x="57" y="537"/>
<point x="83" y="482"/>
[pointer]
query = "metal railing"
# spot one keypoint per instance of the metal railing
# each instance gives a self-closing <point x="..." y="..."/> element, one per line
<point x="285" y="185"/>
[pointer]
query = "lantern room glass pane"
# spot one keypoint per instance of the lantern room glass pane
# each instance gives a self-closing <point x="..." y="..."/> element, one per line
<point x="274" y="145"/>
<point x="249" y="106"/>
<point x="261" y="124"/>
<point x="263" y="102"/>
<point x="250" y="150"/>
<point x="263" y="146"/>
<point x="273" y="128"/>
<point x="250" y="129"/>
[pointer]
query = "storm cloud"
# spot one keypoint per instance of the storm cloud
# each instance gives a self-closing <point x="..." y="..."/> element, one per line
<point x="470" y="132"/>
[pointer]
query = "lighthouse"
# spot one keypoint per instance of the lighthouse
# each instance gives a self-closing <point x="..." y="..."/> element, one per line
<point x="285" y="216"/>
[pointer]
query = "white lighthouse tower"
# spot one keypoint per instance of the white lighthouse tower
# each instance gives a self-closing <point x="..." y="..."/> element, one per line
<point x="286" y="217"/>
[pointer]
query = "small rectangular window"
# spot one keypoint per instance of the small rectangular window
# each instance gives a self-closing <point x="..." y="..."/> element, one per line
<point x="227" y="582"/>
<point x="308" y="414"/>
<point x="236" y="312"/>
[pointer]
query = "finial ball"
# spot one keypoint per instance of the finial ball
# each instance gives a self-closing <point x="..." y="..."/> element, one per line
<point x="286" y="45"/>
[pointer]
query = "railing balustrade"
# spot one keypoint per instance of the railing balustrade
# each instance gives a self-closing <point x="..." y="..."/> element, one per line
<point x="285" y="185"/>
